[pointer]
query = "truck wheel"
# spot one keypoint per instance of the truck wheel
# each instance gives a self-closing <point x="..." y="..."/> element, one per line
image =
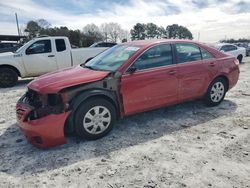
<point x="8" y="77"/>
<point x="94" y="118"/>
<point x="216" y="92"/>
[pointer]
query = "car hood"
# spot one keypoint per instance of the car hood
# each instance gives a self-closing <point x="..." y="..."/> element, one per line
<point x="7" y="55"/>
<point x="55" y="81"/>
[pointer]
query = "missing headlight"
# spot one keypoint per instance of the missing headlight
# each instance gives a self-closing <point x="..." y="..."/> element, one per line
<point x="54" y="99"/>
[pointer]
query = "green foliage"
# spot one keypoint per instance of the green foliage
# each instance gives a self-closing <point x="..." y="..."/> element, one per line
<point x="176" y="31"/>
<point x="75" y="36"/>
<point x="150" y="30"/>
<point x="33" y="29"/>
<point x="106" y="32"/>
<point x="138" y="32"/>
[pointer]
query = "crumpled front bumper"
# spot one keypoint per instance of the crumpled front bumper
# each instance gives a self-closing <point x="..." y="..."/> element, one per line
<point x="44" y="132"/>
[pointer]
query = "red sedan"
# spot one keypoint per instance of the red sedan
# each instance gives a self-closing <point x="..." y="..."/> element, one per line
<point x="126" y="79"/>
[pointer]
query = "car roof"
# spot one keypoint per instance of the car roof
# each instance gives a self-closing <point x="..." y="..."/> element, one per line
<point x="222" y="44"/>
<point x="105" y="42"/>
<point x="50" y="37"/>
<point x="150" y="42"/>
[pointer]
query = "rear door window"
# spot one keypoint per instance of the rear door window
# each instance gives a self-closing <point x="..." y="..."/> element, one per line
<point x="187" y="52"/>
<point x="231" y="48"/>
<point x="227" y="48"/>
<point x="60" y="45"/>
<point x="205" y="54"/>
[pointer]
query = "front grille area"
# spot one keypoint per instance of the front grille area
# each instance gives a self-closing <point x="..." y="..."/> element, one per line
<point x="40" y="105"/>
<point x="22" y="112"/>
<point x="32" y="98"/>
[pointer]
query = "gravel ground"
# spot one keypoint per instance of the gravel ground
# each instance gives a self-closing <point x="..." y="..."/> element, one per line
<point x="187" y="145"/>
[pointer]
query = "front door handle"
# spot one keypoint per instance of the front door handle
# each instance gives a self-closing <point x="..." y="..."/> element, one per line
<point x="212" y="64"/>
<point x="172" y="72"/>
<point x="51" y="55"/>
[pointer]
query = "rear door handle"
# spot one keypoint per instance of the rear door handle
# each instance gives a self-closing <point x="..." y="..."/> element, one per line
<point x="212" y="64"/>
<point x="51" y="55"/>
<point x="172" y="72"/>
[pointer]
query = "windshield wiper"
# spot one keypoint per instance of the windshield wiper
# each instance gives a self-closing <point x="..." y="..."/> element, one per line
<point x="89" y="67"/>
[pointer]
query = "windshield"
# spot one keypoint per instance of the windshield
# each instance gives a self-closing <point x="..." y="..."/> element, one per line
<point x="19" y="49"/>
<point x="113" y="58"/>
<point x="24" y="46"/>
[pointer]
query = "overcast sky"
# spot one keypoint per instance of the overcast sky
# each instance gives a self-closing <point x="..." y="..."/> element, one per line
<point x="214" y="19"/>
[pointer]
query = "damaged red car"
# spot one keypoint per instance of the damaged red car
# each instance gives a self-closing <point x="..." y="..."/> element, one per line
<point x="126" y="79"/>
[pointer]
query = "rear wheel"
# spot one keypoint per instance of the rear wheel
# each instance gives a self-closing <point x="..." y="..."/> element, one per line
<point x="240" y="57"/>
<point x="216" y="92"/>
<point x="95" y="118"/>
<point x="8" y="77"/>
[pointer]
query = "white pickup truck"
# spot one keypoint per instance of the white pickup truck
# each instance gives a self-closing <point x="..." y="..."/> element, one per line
<point x="40" y="56"/>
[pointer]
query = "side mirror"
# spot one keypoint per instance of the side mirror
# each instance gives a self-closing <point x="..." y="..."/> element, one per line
<point x="29" y="51"/>
<point x="131" y="69"/>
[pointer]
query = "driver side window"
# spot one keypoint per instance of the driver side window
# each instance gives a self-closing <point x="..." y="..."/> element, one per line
<point x="157" y="56"/>
<point x="39" y="47"/>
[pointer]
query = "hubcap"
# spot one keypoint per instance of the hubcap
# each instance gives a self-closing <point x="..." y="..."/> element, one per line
<point x="5" y="78"/>
<point x="217" y="92"/>
<point x="97" y="120"/>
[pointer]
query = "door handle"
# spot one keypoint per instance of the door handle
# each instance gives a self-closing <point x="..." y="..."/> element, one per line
<point x="212" y="64"/>
<point x="51" y="55"/>
<point x="172" y="72"/>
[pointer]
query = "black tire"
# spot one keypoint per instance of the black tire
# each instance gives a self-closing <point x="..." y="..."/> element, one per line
<point x="211" y="98"/>
<point x="8" y="77"/>
<point x="81" y="118"/>
<point x="240" y="57"/>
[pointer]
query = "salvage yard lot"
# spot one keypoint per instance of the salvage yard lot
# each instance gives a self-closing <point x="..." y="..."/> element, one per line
<point x="184" y="145"/>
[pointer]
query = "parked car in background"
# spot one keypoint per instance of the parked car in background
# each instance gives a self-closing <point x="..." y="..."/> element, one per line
<point x="9" y="46"/>
<point x="246" y="46"/>
<point x="103" y="44"/>
<point x="238" y="52"/>
<point x="127" y="79"/>
<point x="40" y="56"/>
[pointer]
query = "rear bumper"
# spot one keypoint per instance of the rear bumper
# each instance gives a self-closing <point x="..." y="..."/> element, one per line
<point x="44" y="132"/>
<point x="234" y="77"/>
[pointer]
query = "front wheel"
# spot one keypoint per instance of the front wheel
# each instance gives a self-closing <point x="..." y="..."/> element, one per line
<point x="216" y="92"/>
<point x="94" y="118"/>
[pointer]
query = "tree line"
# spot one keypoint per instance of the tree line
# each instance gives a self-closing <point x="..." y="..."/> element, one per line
<point x="111" y="32"/>
<point x="244" y="40"/>
<point x="150" y="30"/>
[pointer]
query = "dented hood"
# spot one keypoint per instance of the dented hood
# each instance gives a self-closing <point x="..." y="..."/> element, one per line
<point x="55" y="81"/>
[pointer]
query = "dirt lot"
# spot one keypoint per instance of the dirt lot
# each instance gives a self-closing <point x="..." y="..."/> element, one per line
<point x="187" y="145"/>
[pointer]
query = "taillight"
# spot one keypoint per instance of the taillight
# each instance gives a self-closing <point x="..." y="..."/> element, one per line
<point x="236" y="62"/>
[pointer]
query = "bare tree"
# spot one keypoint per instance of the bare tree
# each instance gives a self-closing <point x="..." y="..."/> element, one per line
<point x="43" y="23"/>
<point x="113" y="32"/>
<point x="92" y="34"/>
<point x="124" y="35"/>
